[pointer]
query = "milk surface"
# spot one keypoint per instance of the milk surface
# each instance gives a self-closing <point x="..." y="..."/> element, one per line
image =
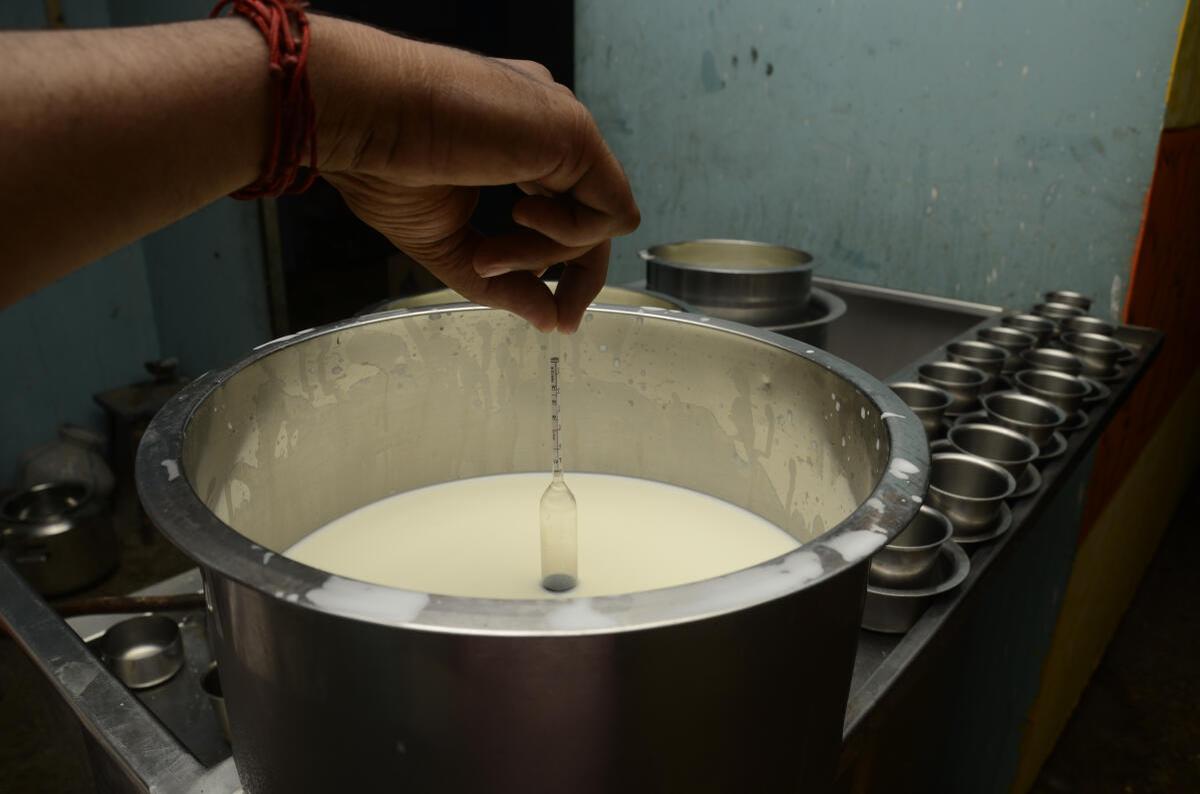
<point x="480" y="537"/>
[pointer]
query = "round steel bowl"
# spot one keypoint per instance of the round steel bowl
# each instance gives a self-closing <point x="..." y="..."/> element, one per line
<point x="1041" y="328"/>
<point x="1065" y="391"/>
<point x="430" y="692"/>
<point x="1009" y="449"/>
<point x="969" y="490"/>
<point x="929" y="403"/>
<point x="984" y="356"/>
<point x="824" y="308"/>
<point x="1087" y="324"/>
<point x="1056" y="311"/>
<point x="749" y="282"/>
<point x="1012" y="341"/>
<point x="1026" y="414"/>
<point x="144" y="651"/>
<point x="1053" y="359"/>
<point x="1099" y="354"/>
<point x="910" y="555"/>
<point x="609" y="294"/>
<point x="961" y="381"/>
<point x="895" y="610"/>
<point x="1069" y="298"/>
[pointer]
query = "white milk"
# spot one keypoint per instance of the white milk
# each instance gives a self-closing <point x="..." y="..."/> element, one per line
<point x="480" y="537"/>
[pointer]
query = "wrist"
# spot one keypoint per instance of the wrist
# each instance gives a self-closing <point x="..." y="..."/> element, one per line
<point x="330" y="53"/>
<point x="353" y="76"/>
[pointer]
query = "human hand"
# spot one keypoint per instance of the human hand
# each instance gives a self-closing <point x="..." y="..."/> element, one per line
<point x="409" y="131"/>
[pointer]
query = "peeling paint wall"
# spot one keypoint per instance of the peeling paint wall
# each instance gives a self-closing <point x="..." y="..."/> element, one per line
<point x="987" y="151"/>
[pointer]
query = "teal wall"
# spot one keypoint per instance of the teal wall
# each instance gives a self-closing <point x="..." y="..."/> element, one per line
<point x="90" y="331"/>
<point x="205" y="271"/>
<point x="207" y="281"/>
<point x="194" y="290"/>
<point x="981" y="150"/>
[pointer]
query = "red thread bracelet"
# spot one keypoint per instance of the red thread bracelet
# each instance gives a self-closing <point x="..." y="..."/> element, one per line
<point x="284" y="25"/>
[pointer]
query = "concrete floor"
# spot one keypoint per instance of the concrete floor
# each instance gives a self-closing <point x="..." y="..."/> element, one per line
<point x="1137" y="726"/>
<point x="1136" y="729"/>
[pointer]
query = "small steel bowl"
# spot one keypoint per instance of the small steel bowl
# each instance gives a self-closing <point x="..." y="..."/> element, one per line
<point x="1097" y="391"/>
<point x="929" y="403"/>
<point x="969" y="490"/>
<point x="211" y="684"/>
<point x="1087" y="324"/>
<point x="913" y="552"/>
<point x="1026" y="414"/>
<point x="1053" y="359"/>
<point x="1056" y="311"/>
<point x="144" y="651"/>
<point x="895" y="610"/>
<point x="1070" y="298"/>
<point x="1098" y="353"/>
<point x="1041" y="328"/>
<point x="1065" y="391"/>
<point x="961" y="381"/>
<point x="1011" y="340"/>
<point x="983" y="356"/>
<point x="1007" y="448"/>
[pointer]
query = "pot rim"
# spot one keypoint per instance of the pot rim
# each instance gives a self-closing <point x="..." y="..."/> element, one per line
<point x="174" y="507"/>
<point x="1089" y="342"/>
<point x="379" y="307"/>
<point x="805" y="266"/>
<point x="834" y="308"/>
<point x="1022" y="378"/>
<point x="1009" y="331"/>
<point x="978" y="376"/>
<point x="975" y="460"/>
<point x="924" y="387"/>
<point x="989" y="427"/>
<point x="57" y="521"/>
<point x="941" y="519"/>
<point x="995" y="352"/>
<point x="1028" y="318"/>
<point x="1060" y="414"/>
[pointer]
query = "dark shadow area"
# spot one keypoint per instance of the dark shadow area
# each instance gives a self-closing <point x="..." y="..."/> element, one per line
<point x="1137" y="726"/>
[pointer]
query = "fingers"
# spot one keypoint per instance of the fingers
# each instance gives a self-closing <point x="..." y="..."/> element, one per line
<point x="523" y="250"/>
<point x="529" y="69"/>
<point x="486" y="121"/>
<point x="520" y="293"/>
<point x="604" y="188"/>
<point x="565" y="221"/>
<point x="533" y="189"/>
<point x="451" y="260"/>
<point x="580" y="284"/>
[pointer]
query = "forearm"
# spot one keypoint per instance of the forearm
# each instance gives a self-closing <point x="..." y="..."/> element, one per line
<point x="108" y="135"/>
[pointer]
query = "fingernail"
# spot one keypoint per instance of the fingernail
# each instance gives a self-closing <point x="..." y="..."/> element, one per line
<point x="491" y="271"/>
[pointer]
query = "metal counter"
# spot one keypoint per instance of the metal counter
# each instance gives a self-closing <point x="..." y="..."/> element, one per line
<point x="968" y="670"/>
<point x="904" y="687"/>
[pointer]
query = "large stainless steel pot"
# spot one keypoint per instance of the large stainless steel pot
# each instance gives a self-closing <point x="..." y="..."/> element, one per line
<point x="737" y="683"/>
<point x="750" y="282"/>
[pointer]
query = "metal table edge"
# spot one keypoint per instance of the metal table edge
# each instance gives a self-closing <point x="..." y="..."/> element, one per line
<point x="146" y="753"/>
<point x="889" y="678"/>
